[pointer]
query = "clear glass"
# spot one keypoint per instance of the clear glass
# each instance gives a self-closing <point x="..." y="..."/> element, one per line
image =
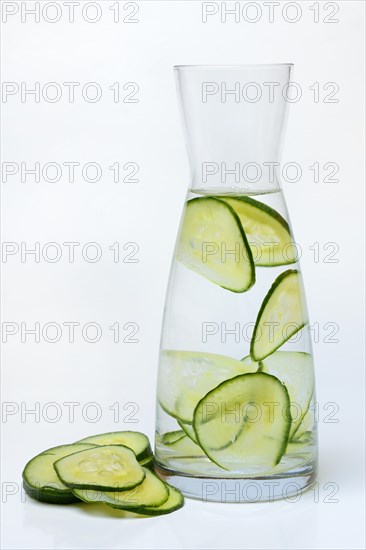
<point x="236" y="393"/>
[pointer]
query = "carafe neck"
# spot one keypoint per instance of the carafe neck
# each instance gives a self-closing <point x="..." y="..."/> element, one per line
<point x="234" y="120"/>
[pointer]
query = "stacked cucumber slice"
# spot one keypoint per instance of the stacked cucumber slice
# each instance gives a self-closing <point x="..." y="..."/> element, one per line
<point x="153" y="497"/>
<point x="239" y="412"/>
<point x="106" y="468"/>
<point x="102" y="470"/>
<point x="40" y="480"/>
<point x="136" y="441"/>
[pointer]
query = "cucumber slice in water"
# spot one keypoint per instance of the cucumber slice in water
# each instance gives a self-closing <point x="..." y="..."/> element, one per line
<point x="151" y="492"/>
<point x="268" y="233"/>
<point x="282" y="310"/>
<point x="213" y="244"/>
<point x="244" y="422"/>
<point x="184" y="446"/>
<point x="186" y="376"/>
<point x="40" y="480"/>
<point x="136" y="441"/>
<point x="295" y="369"/>
<point x="107" y="468"/>
<point x="306" y="428"/>
<point x="169" y="438"/>
<point x="188" y="430"/>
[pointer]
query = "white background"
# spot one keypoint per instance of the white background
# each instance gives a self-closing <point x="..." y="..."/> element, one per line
<point x="147" y="213"/>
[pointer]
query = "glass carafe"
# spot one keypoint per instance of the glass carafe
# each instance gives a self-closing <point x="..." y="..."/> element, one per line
<point x="235" y="396"/>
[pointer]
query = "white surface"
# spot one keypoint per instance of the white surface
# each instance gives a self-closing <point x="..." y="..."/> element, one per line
<point x="147" y="213"/>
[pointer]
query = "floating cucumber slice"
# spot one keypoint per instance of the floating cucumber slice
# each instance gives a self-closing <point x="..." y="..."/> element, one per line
<point x="295" y="369"/>
<point x="188" y="429"/>
<point x="268" y="233"/>
<point x="186" y="376"/>
<point x="306" y="428"/>
<point x="136" y="441"/>
<point x="281" y="315"/>
<point x="213" y="244"/>
<point x="107" y="468"/>
<point x="174" y="502"/>
<point x="40" y="480"/>
<point x="151" y="492"/>
<point x="169" y="438"/>
<point x="244" y="422"/>
<point x="185" y="447"/>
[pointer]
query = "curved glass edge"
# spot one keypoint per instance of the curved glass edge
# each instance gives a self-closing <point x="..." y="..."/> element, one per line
<point x="233" y="67"/>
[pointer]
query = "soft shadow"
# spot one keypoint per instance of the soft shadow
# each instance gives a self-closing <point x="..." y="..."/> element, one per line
<point x="104" y="511"/>
<point x="85" y="526"/>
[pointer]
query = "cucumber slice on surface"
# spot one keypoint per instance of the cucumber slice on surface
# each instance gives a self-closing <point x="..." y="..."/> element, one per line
<point x="282" y="310"/>
<point x="147" y="462"/>
<point x="136" y="441"/>
<point x="244" y="422"/>
<point x="213" y="244"/>
<point x="174" y="502"/>
<point x="151" y="492"/>
<point x="186" y="376"/>
<point x="40" y="480"/>
<point x="107" y="468"/>
<point x="295" y="369"/>
<point x="263" y="225"/>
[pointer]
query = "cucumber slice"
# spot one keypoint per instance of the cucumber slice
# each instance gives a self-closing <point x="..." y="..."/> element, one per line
<point x="147" y="462"/>
<point x="213" y="243"/>
<point x="151" y="492"/>
<point x="184" y="446"/>
<point x="268" y="233"/>
<point x="136" y="441"/>
<point x="188" y="429"/>
<point x="244" y="422"/>
<point x="174" y="502"/>
<point x="40" y="480"/>
<point x="306" y="429"/>
<point x="282" y="310"/>
<point x="169" y="438"/>
<point x="187" y="447"/>
<point x="295" y="369"/>
<point x="186" y="376"/>
<point x="107" y="468"/>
